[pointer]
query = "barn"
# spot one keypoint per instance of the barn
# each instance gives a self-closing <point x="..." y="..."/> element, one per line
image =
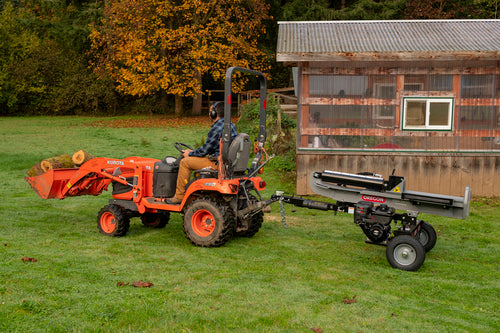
<point x="421" y="98"/>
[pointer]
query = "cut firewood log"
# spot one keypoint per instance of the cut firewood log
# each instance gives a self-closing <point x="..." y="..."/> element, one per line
<point x="81" y="157"/>
<point x="58" y="162"/>
<point x="36" y="170"/>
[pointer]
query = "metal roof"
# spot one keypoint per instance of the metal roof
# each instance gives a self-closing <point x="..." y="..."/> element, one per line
<point x="386" y="40"/>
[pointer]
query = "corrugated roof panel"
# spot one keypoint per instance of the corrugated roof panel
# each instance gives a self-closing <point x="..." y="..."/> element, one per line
<point x="385" y="37"/>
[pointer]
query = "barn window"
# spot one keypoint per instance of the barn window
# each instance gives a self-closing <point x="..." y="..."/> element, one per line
<point x="338" y="85"/>
<point x="477" y="86"/>
<point x="421" y="113"/>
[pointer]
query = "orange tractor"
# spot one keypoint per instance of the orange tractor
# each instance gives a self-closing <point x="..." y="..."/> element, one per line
<point x="217" y="205"/>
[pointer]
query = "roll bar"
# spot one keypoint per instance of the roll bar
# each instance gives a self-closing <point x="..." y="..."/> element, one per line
<point x="226" y="134"/>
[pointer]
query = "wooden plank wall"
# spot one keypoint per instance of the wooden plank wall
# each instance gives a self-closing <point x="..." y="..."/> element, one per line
<point x="440" y="173"/>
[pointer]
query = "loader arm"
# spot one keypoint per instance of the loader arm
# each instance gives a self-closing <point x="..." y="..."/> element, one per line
<point x="94" y="176"/>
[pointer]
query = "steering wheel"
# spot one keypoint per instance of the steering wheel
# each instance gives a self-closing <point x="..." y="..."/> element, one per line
<point x="179" y="146"/>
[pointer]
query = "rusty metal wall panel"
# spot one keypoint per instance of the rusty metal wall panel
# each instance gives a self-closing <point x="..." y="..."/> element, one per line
<point x="341" y="116"/>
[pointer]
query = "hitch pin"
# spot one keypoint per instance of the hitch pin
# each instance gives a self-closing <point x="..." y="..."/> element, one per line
<point x="282" y="208"/>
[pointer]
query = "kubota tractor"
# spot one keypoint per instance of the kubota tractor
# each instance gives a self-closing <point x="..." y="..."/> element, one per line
<point x="217" y="205"/>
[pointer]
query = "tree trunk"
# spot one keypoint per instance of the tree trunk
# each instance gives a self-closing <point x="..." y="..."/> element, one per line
<point x="58" y="162"/>
<point x="178" y="105"/>
<point x="81" y="157"/>
<point x="197" y="100"/>
<point x="163" y="101"/>
<point x="36" y="170"/>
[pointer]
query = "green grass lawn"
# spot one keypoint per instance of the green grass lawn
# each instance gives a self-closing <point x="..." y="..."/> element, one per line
<point x="315" y="275"/>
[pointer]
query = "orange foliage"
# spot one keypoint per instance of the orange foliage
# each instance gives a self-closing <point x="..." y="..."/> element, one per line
<point x="148" y="46"/>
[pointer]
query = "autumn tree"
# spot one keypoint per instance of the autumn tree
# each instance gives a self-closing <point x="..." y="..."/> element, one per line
<point x="44" y="62"/>
<point x="157" y="46"/>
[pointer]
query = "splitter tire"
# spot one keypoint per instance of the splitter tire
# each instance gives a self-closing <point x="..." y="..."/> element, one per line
<point x="205" y="225"/>
<point x="113" y="220"/>
<point x="426" y="236"/>
<point x="405" y="252"/>
<point x="155" y="220"/>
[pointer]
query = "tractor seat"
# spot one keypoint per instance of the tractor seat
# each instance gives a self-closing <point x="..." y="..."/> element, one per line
<point x="239" y="153"/>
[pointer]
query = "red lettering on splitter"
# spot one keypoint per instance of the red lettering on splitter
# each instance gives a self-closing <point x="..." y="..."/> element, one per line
<point x="373" y="198"/>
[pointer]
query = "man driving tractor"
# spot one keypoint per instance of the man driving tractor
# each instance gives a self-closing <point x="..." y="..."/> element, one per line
<point x="204" y="156"/>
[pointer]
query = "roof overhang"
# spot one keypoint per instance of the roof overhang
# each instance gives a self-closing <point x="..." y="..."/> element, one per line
<point x="386" y="56"/>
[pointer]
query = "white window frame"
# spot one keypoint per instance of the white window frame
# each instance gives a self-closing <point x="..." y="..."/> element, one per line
<point x="428" y="102"/>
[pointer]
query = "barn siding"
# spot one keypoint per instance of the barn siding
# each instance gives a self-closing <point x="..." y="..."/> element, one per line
<point x="440" y="173"/>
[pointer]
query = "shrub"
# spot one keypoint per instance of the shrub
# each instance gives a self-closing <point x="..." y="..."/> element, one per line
<point x="280" y="135"/>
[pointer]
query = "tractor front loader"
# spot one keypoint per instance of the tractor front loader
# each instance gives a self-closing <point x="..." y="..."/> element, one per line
<point x="218" y="204"/>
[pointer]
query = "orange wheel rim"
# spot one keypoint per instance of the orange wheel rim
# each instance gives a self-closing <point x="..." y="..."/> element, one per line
<point x="108" y="223"/>
<point x="203" y="223"/>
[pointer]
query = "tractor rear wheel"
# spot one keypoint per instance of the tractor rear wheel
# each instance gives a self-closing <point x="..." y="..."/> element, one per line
<point x="113" y="220"/>
<point x="207" y="223"/>
<point x="155" y="220"/>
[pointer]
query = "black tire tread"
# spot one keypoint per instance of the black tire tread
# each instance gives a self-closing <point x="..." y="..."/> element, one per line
<point x="254" y="223"/>
<point x="121" y="217"/>
<point x="221" y="234"/>
<point x="431" y="234"/>
<point x="415" y="244"/>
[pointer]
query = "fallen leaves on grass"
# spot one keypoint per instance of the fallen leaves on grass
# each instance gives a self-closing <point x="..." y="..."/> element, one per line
<point x="171" y="122"/>
<point x="137" y="284"/>
<point x="142" y="284"/>
<point x="316" y="329"/>
<point x="349" y="300"/>
<point x="25" y="259"/>
<point x="152" y="122"/>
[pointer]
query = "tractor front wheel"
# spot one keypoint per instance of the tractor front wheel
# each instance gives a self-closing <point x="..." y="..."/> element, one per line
<point x="205" y="225"/>
<point x="113" y="220"/>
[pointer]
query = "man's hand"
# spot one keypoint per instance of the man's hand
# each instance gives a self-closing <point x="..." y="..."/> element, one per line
<point x="185" y="153"/>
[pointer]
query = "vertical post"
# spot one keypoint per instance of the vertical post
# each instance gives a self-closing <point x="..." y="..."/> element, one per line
<point x="400" y="86"/>
<point x="279" y="115"/>
<point x="458" y="102"/>
<point x="304" y="109"/>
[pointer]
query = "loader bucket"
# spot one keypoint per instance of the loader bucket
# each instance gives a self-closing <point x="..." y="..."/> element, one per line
<point x="50" y="184"/>
<point x="62" y="183"/>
